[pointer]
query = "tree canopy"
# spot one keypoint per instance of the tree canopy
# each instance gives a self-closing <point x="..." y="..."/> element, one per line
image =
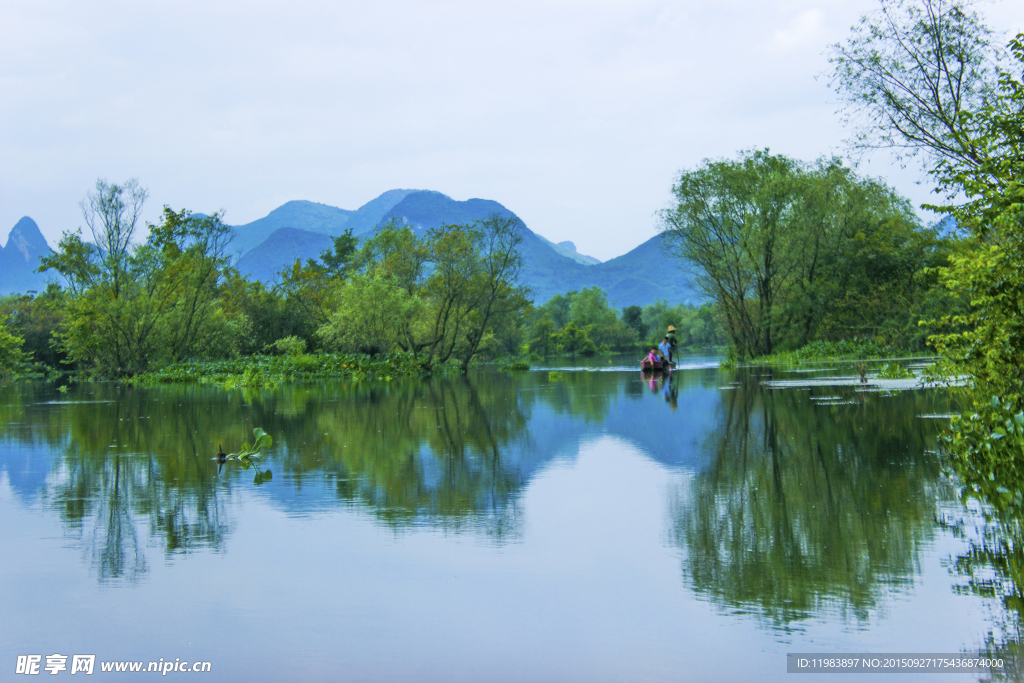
<point x="790" y="250"/>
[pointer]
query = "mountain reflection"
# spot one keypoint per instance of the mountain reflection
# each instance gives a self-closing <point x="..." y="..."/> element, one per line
<point x="790" y="507"/>
<point x="126" y="465"/>
<point x="807" y="508"/>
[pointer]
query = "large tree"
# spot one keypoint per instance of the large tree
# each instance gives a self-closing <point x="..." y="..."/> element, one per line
<point x="444" y="295"/>
<point x="908" y="73"/>
<point x="133" y="305"/>
<point x="775" y="241"/>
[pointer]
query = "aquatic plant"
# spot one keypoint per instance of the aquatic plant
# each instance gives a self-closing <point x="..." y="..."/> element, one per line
<point x="243" y="457"/>
<point x="269" y="371"/>
<point x="514" y="365"/>
<point x="555" y="376"/>
<point x="895" y="371"/>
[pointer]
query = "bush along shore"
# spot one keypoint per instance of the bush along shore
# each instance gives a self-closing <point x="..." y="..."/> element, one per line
<point x="821" y="350"/>
<point x="268" y="371"/>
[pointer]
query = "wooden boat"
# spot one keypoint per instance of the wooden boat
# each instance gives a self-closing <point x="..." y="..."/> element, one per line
<point x="647" y="365"/>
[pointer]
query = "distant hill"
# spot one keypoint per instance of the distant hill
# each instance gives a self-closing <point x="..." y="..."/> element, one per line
<point x="569" y="249"/>
<point x="637" y="278"/>
<point x="20" y="258"/>
<point x="313" y="217"/>
<point x="303" y="229"/>
<point x="280" y="251"/>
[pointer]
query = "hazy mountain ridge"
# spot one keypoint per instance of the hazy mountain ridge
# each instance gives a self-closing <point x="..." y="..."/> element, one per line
<point x="300" y="230"/>
<point x="637" y="278"/>
<point x="281" y="250"/>
<point x="19" y="259"/>
<point x="313" y="217"/>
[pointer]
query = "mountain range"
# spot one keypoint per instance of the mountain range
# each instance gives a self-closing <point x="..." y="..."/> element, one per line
<point x="303" y="230"/>
<point x="19" y="259"/>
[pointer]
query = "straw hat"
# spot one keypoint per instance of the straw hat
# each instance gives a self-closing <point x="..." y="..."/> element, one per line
<point x="671" y="328"/>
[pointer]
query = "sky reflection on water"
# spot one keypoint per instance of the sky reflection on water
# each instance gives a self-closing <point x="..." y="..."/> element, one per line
<point x="497" y="527"/>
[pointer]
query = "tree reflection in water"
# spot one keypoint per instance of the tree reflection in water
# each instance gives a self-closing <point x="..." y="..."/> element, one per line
<point x="991" y="521"/>
<point x="808" y="508"/>
<point x="133" y="464"/>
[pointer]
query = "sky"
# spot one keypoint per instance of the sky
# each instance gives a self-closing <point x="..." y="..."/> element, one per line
<point x="575" y="115"/>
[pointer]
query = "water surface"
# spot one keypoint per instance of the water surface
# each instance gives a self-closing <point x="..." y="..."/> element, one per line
<point x="599" y="527"/>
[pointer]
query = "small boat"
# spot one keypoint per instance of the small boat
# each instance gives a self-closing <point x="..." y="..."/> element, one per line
<point x="647" y="365"/>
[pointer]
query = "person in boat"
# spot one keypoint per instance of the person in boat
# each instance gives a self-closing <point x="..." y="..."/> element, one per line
<point x="670" y="335"/>
<point x="666" y="350"/>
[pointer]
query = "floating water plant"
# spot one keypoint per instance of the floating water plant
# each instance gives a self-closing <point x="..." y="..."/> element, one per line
<point x="243" y="457"/>
<point x="895" y="371"/>
<point x="554" y="376"/>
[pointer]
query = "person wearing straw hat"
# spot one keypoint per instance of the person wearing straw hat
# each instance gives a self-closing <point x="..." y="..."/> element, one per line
<point x="670" y="335"/>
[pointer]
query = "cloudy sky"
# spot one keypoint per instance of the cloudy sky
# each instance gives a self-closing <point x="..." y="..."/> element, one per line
<point x="575" y="115"/>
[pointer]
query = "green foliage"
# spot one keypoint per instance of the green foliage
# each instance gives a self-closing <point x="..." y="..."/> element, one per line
<point x="574" y="340"/>
<point x="895" y="371"/>
<point x="821" y="350"/>
<point x="260" y="440"/>
<point x="133" y="306"/>
<point x="268" y="371"/>
<point x="986" y="342"/>
<point x="259" y="316"/>
<point x="289" y="346"/>
<point x="452" y="293"/>
<point x="633" y="318"/>
<point x="791" y="252"/>
<point x="908" y="74"/>
<point x="373" y="316"/>
<point x="555" y="376"/>
<point x="37" y="320"/>
<point x="986" y="444"/>
<point x="542" y="336"/>
<point x="588" y="311"/>
<point x="514" y="365"/>
<point x="243" y="457"/>
<point x="11" y="355"/>
<point x="337" y="260"/>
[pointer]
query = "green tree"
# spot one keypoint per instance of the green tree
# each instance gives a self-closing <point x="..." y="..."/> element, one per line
<point x="910" y="71"/>
<point x="337" y="260"/>
<point x="574" y="340"/>
<point x="774" y="239"/>
<point x="36" y="319"/>
<point x="986" y="342"/>
<point x="736" y="221"/>
<point x="373" y="316"/>
<point x="542" y="335"/>
<point x="11" y="355"/>
<point x="496" y="293"/>
<point x="633" y="317"/>
<point x="134" y="305"/>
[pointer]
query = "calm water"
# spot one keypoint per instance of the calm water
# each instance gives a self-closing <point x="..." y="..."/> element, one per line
<point x="498" y="528"/>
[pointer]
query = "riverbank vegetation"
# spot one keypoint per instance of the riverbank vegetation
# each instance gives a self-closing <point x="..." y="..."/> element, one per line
<point x="796" y="253"/>
<point x="172" y="307"/>
<point x="583" y="323"/>
<point x="926" y="78"/>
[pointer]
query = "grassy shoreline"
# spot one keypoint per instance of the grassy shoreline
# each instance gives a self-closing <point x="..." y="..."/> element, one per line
<point x="268" y="371"/>
<point x="824" y="351"/>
